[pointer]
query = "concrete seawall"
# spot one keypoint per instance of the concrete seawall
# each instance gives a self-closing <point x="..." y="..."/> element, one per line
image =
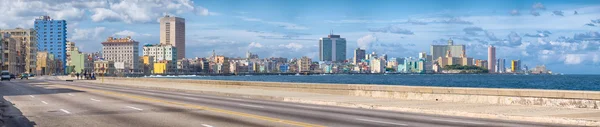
<point x="552" y="98"/>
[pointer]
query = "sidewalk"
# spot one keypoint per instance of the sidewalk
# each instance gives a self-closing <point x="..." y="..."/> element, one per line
<point x="585" y="117"/>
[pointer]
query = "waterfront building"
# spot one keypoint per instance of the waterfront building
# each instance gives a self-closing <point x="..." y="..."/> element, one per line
<point x="283" y="68"/>
<point x="160" y="52"/>
<point x="359" y="54"/>
<point x="147" y="64"/>
<point x="52" y="37"/>
<point x="26" y="48"/>
<point x="491" y="59"/>
<point x="123" y="51"/>
<point x="541" y="69"/>
<point x="172" y="32"/>
<point x="164" y="67"/>
<point x="251" y="56"/>
<point x="481" y="63"/>
<point x="304" y="64"/>
<point x="438" y="51"/>
<point x="449" y="59"/>
<point x="377" y="65"/>
<point x="183" y="66"/>
<point x="332" y="48"/>
<point x="500" y="66"/>
<point x="515" y="66"/>
<point x="11" y="61"/>
<point x="104" y="67"/>
<point x="384" y="57"/>
<point x="222" y="64"/>
<point x="70" y="47"/>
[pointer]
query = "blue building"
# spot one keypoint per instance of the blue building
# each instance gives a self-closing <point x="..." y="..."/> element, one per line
<point x="332" y="48"/>
<point x="52" y="38"/>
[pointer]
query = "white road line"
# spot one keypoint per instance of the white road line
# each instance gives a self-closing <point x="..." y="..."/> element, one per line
<point x="63" y="110"/>
<point x="456" y="121"/>
<point x="134" y="108"/>
<point x="94" y="99"/>
<point x="44" y="102"/>
<point x="206" y="125"/>
<point x="71" y="95"/>
<point x="256" y="106"/>
<point x="191" y="98"/>
<point x="375" y="121"/>
<point x="31" y="96"/>
<point x="233" y="99"/>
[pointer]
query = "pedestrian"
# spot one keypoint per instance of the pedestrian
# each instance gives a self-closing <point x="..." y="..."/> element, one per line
<point x="77" y="74"/>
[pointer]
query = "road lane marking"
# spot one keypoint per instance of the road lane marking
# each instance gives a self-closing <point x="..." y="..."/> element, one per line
<point x="456" y="121"/>
<point x="65" y="111"/>
<point x="233" y="99"/>
<point x="206" y="125"/>
<point x="375" y="121"/>
<point x="256" y="106"/>
<point x="44" y="102"/>
<point x="191" y="98"/>
<point x="217" y="110"/>
<point x="94" y="99"/>
<point x="134" y="108"/>
<point x="71" y="94"/>
<point x="31" y="96"/>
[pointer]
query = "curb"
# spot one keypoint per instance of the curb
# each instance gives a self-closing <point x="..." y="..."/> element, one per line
<point x="554" y="120"/>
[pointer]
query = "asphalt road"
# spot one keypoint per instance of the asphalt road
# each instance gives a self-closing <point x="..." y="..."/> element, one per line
<point x="59" y="103"/>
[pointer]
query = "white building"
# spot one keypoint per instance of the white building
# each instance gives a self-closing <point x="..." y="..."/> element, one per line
<point x="160" y="52"/>
<point x="123" y="52"/>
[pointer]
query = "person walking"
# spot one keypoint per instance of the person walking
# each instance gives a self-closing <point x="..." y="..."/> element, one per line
<point x="77" y="75"/>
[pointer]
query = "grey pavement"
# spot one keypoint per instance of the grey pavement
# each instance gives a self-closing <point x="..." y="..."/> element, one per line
<point x="59" y="103"/>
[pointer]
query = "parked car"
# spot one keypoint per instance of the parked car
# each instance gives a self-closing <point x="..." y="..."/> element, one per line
<point x="12" y="76"/>
<point x="5" y="75"/>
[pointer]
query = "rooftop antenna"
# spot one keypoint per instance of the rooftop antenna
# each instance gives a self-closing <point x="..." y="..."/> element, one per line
<point x="331" y="33"/>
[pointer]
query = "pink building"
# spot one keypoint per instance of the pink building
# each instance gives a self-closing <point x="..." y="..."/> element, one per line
<point x="491" y="59"/>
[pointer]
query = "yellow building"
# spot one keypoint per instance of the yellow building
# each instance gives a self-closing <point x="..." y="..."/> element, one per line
<point x="147" y="64"/>
<point x="450" y="60"/>
<point x="162" y="67"/>
<point x="515" y="65"/>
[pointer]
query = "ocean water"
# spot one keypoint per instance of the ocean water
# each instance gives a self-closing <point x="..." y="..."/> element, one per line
<point x="556" y="82"/>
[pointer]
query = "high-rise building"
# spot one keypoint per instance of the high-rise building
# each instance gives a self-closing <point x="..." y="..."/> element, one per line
<point x="172" y="32"/>
<point x="52" y="37"/>
<point x="491" y="59"/>
<point x="438" y="51"/>
<point x="123" y="52"/>
<point x="26" y="47"/>
<point x="515" y="66"/>
<point x="332" y="48"/>
<point x="10" y="60"/>
<point x="500" y="66"/>
<point x="359" y="54"/>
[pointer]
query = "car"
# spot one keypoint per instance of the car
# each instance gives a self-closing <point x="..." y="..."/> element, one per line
<point x="24" y="76"/>
<point x="12" y="76"/>
<point x="5" y="75"/>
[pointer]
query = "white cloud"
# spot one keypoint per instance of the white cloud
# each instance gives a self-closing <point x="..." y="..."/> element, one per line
<point x="126" y="33"/>
<point x="86" y="34"/>
<point x="366" y="41"/>
<point x="255" y="45"/>
<point x="285" y="25"/>
<point x="293" y="46"/>
<point x="103" y="14"/>
<point x="574" y="58"/>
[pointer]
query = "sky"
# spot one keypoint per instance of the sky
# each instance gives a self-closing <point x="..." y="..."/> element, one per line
<point x="563" y="35"/>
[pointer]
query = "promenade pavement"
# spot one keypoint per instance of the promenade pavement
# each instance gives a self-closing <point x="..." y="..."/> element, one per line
<point x="572" y="116"/>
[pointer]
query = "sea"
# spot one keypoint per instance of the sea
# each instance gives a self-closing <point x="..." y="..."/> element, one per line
<point x="550" y="82"/>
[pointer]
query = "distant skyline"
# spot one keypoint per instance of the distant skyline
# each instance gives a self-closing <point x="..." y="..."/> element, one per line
<point x="564" y="35"/>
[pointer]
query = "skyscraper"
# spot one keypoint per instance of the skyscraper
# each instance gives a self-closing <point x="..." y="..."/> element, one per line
<point x="332" y="48"/>
<point x="172" y="32"/>
<point x="500" y="66"/>
<point x="438" y="51"/>
<point x="515" y="66"/>
<point x="359" y="54"/>
<point x="52" y="37"/>
<point x="491" y="59"/>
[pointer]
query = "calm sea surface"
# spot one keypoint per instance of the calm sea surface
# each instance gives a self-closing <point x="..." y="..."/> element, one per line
<point x="560" y="82"/>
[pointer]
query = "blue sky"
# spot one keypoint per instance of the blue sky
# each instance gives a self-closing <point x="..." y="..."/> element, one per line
<point x="537" y="32"/>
